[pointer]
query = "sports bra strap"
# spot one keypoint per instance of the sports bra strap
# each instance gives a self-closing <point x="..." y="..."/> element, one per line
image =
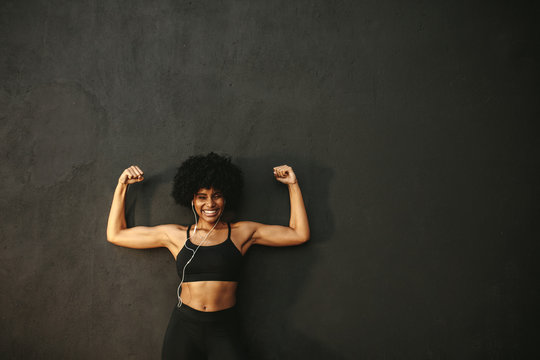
<point x="189" y="228"/>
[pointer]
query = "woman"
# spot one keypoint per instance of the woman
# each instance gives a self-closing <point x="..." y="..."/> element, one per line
<point x="209" y="253"/>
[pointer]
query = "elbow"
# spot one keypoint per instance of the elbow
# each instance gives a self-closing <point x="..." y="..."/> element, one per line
<point x="111" y="238"/>
<point x="304" y="238"/>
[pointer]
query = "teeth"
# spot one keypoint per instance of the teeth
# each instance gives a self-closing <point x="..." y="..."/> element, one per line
<point x="213" y="212"/>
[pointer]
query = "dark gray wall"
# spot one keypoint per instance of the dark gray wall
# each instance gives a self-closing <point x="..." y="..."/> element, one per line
<point x="409" y="125"/>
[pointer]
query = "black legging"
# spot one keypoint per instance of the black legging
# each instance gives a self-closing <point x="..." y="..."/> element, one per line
<point x="193" y="334"/>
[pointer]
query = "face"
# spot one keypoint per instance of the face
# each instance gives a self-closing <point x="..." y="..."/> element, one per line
<point x="209" y="204"/>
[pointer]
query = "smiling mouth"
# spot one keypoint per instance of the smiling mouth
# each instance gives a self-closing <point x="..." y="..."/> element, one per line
<point x="210" y="212"/>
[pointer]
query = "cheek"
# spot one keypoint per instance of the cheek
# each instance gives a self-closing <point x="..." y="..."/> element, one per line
<point x="198" y="205"/>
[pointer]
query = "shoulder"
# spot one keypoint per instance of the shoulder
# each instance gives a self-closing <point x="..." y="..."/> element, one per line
<point x="171" y="228"/>
<point x="245" y="226"/>
<point x="176" y="234"/>
<point x="242" y="233"/>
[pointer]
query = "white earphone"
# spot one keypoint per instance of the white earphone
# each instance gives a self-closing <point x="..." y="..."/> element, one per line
<point x="193" y="251"/>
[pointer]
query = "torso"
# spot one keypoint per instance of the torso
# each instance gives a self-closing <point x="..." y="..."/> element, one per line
<point x="209" y="295"/>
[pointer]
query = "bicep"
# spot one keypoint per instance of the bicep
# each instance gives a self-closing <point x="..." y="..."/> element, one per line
<point x="142" y="237"/>
<point x="275" y="235"/>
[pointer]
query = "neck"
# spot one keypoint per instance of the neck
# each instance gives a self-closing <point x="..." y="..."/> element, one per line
<point x="205" y="225"/>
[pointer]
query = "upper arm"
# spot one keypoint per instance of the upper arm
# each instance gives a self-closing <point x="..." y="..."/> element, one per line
<point x="275" y="235"/>
<point x="144" y="237"/>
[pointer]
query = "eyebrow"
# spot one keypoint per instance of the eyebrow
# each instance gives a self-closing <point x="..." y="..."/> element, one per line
<point x="204" y="194"/>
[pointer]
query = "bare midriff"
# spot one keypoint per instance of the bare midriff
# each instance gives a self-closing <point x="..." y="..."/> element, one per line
<point x="209" y="295"/>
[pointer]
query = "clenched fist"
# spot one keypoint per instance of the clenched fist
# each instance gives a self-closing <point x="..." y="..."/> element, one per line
<point x="285" y="174"/>
<point x="131" y="175"/>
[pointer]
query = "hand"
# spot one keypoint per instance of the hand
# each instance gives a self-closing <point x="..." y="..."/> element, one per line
<point x="285" y="174"/>
<point x="131" y="175"/>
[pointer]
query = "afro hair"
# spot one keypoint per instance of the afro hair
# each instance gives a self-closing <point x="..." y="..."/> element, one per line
<point x="208" y="171"/>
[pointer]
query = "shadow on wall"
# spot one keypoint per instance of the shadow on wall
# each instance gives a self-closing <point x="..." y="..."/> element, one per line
<point x="169" y="212"/>
<point x="274" y="278"/>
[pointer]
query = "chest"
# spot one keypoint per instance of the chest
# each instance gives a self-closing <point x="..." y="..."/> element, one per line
<point x="217" y="262"/>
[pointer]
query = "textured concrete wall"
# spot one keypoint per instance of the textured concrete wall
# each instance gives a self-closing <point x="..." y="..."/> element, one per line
<point x="409" y="125"/>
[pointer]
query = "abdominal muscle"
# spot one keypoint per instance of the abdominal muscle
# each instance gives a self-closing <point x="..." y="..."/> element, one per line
<point x="209" y="295"/>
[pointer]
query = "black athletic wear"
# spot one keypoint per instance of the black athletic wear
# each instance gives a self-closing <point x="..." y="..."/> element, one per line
<point x="210" y="335"/>
<point x="221" y="262"/>
<point x="201" y="335"/>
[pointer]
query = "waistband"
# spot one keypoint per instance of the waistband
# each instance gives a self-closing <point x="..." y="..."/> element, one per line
<point x="190" y="313"/>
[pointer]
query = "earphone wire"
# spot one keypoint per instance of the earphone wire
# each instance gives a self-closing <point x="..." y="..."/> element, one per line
<point x="180" y="303"/>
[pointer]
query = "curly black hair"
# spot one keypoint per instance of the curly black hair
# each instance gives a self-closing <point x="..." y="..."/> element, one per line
<point x="208" y="171"/>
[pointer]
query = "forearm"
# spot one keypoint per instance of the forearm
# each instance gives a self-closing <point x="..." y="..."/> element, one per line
<point x="117" y="219"/>
<point x="299" y="220"/>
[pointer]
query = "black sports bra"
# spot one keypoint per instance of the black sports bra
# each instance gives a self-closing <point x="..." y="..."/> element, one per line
<point x="221" y="262"/>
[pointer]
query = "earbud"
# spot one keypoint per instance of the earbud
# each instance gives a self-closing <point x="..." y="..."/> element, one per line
<point x="180" y="303"/>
